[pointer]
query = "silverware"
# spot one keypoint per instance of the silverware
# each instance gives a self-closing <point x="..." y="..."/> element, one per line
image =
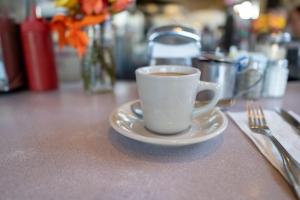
<point x="223" y="104"/>
<point x="258" y="124"/>
<point x="289" y="118"/>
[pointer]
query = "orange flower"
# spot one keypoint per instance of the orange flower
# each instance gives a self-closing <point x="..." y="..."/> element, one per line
<point x="120" y="5"/>
<point x="90" y="6"/>
<point x="77" y="38"/>
<point x="58" y="24"/>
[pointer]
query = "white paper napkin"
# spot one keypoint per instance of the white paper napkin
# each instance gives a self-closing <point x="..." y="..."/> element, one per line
<point x="283" y="132"/>
<point x="188" y="50"/>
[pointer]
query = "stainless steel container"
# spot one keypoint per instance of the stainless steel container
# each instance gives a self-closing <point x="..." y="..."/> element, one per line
<point x="173" y="45"/>
<point x="216" y="69"/>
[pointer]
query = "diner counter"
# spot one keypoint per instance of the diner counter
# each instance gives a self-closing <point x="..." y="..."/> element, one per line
<point x="60" y="145"/>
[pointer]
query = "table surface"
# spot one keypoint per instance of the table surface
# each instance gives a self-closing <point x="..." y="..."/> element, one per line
<point x="60" y="145"/>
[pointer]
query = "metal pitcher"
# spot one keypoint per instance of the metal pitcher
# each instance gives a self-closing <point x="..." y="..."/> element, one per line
<point x="218" y="69"/>
<point x="173" y="45"/>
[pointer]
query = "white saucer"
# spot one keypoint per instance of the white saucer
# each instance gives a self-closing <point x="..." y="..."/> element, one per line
<point x="205" y="127"/>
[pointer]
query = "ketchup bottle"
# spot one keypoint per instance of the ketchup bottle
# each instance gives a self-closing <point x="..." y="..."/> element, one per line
<point x="38" y="53"/>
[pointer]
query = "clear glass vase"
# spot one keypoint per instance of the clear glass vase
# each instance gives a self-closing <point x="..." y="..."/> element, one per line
<point x="98" y="63"/>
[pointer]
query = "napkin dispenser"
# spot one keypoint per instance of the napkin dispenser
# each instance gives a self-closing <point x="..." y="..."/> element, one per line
<point x="173" y="45"/>
<point x="12" y="67"/>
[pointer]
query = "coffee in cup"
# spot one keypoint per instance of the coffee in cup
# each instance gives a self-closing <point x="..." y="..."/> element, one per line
<point x="168" y="74"/>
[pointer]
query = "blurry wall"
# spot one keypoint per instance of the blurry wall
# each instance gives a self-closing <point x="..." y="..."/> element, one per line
<point x="208" y="17"/>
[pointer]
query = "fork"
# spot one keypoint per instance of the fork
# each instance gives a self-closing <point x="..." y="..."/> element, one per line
<point x="258" y="124"/>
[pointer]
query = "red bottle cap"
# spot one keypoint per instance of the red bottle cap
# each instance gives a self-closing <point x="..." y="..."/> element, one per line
<point x="32" y="23"/>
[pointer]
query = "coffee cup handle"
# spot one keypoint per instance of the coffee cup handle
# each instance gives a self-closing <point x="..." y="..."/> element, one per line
<point x="202" y="85"/>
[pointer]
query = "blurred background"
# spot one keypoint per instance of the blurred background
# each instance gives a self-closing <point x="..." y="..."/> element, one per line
<point x="220" y="23"/>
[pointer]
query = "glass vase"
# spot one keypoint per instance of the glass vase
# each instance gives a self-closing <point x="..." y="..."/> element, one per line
<point x="98" y="63"/>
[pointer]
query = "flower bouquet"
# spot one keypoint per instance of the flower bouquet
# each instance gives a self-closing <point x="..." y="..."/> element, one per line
<point x="87" y="27"/>
<point x="267" y="23"/>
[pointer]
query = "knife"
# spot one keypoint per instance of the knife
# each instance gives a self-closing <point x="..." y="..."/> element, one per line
<point x="289" y="118"/>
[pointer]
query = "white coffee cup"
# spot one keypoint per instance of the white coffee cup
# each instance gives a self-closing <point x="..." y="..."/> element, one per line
<point x="168" y="101"/>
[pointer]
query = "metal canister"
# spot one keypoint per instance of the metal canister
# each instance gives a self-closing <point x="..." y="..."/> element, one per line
<point x="173" y="45"/>
<point x="217" y="69"/>
<point x="276" y="76"/>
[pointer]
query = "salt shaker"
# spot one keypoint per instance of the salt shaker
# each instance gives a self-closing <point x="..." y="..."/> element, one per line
<point x="276" y="76"/>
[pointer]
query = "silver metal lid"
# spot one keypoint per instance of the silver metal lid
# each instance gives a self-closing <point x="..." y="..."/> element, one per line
<point x="278" y="63"/>
<point x="173" y="34"/>
<point x="211" y="57"/>
<point x="279" y="37"/>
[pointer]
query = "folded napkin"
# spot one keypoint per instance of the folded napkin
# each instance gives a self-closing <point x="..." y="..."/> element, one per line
<point x="175" y="51"/>
<point x="283" y="132"/>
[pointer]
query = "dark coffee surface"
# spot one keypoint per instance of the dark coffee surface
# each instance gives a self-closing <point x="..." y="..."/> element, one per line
<point x="168" y="74"/>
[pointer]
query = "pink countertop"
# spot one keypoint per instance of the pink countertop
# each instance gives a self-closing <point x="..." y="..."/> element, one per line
<point x="60" y="145"/>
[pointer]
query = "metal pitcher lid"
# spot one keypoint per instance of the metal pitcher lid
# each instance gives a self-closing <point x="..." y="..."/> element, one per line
<point x="211" y="57"/>
<point x="175" y="34"/>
